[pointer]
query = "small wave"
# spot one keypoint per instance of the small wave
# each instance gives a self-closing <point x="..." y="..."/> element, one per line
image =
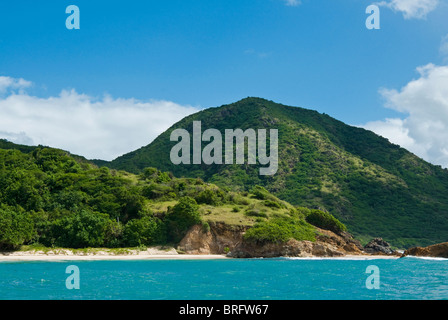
<point x="427" y="258"/>
<point x="350" y="258"/>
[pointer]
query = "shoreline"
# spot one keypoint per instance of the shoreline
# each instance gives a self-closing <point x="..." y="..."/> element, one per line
<point x="149" y="254"/>
<point x="56" y="258"/>
<point x="348" y="257"/>
<point x="62" y="258"/>
<point x="97" y="254"/>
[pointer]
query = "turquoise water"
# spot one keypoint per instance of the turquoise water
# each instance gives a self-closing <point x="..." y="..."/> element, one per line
<point x="234" y="279"/>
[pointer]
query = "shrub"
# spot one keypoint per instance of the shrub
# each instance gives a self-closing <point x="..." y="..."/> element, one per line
<point x="16" y="227"/>
<point x="208" y="197"/>
<point x="172" y="195"/>
<point x="163" y="177"/>
<point x="199" y="181"/>
<point x="156" y="175"/>
<point x="182" y="217"/>
<point x="325" y="220"/>
<point x="143" y="232"/>
<point x="260" y="193"/>
<point x="113" y="235"/>
<point x="131" y="203"/>
<point x="80" y="230"/>
<point x="149" y="173"/>
<point x="240" y="200"/>
<point x="280" y="230"/>
<point x="272" y="204"/>
<point x="300" y="212"/>
<point x="157" y="191"/>
<point x="255" y="213"/>
<point x="70" y="200"/>
<point x="205" y="227"/>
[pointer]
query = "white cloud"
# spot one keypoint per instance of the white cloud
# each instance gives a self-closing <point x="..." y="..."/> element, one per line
<point x="95" y="128"/>
<point x="293" y="3"/>
<point x="8" y="84"/>
<point x="417" y="9"/>
<point x="424" y="101"/>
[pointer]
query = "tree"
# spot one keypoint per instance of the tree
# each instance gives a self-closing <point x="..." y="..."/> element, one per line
<point x="182" y="217"/>
<point x="16" y="227"/>
<point x="145" y="231"/>
<point x="80" y="230"/>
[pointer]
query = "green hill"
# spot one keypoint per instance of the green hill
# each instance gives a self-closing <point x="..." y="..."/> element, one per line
<point x="375" y="187"/>
<point x="51" y="198"/>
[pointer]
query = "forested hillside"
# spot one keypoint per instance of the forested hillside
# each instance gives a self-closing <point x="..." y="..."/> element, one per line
<point x="50" y="198"/>
<point x="375" y="187"/>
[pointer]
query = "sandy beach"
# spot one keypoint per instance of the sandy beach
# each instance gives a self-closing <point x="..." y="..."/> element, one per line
<point x="129" y="254"/>
<point x="36" y="257"/>
<point x="102" y="254"/>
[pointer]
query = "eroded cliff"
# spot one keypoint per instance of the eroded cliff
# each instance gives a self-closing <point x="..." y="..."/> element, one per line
<point x="228" y="239"/>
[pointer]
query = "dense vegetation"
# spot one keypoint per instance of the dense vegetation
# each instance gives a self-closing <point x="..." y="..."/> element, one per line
<point x="280" y="230"/>
<point x="325" y="220"/>
<point x="50" y="198"/>
<point x="376" y="188"/>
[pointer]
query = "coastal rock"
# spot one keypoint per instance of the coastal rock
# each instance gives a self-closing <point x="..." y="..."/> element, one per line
<point x="327" y="244"/>
<point x="344" y="241"/>
<point x="292" y="248"/>
<point x="378" y="246"/>
<point x="223" y="238"/>
<point x="439" y="250"/>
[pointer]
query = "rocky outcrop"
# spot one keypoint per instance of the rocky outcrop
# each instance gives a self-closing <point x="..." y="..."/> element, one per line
<point x="378" y="246"/>
<point x="221" y="239"/>
<point x="327" y="244"/>
<point x="292" y="248"/>
<point x="342" y="240"/>
<point x="437" y="251"/>
<point x="224" y="238"/>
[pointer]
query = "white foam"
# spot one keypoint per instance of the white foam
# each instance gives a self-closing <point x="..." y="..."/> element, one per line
<point x="340" y="258"/>
<point x="428" y="258"/>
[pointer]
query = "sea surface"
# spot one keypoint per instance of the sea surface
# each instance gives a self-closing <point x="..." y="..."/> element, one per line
<point x="233" y="279"/>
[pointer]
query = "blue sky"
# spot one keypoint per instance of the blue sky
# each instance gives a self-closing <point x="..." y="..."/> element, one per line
<point x="316" y="54"/>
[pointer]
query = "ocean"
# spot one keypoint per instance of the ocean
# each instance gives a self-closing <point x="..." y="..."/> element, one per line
<point x="227" y="279"/>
